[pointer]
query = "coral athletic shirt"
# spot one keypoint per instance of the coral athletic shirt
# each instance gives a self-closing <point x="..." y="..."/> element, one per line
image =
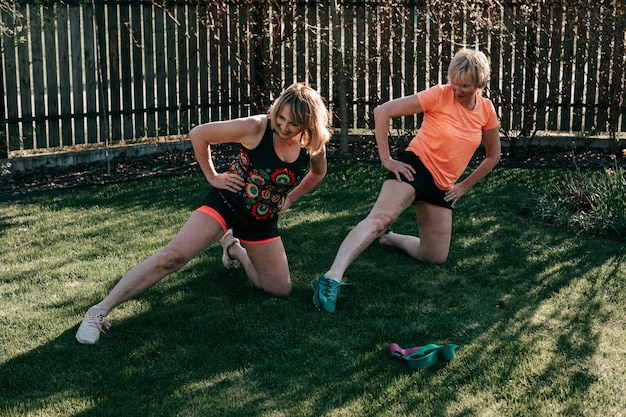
<point x="450" y="133"/>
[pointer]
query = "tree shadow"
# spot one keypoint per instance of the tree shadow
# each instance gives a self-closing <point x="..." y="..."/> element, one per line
<point x="205" y="343"/>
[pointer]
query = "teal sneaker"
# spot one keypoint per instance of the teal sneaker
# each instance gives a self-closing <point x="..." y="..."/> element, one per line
<point x="325" y="293"/>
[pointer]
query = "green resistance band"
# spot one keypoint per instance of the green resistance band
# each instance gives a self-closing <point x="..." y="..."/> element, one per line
<point x="424" y="356"/>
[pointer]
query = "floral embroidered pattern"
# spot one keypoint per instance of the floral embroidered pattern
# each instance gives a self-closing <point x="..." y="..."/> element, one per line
<point x="265" y="190"/>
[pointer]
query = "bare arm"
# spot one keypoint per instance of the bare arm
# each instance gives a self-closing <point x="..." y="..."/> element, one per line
<point x="315" y="175"/>
<point x="399" y="107"/>
<point x="247" y="131"/>
<point x="491" y="142"/>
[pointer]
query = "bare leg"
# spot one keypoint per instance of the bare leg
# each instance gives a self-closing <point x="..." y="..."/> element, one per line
<point x="269" y="270"/>
<point x="393" y="199"/>
<point x="267" y="267"/>
<point x="408" y="243"/>
<point x="199" y="232"/>
<point x="435" y="227"/>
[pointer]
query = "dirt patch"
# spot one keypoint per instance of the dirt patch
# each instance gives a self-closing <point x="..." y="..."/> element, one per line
<point x="183" y="162"/>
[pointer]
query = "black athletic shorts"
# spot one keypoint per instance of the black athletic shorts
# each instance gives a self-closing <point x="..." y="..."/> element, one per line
<point x="246" y="229"/>
<point x="423" y="182"/>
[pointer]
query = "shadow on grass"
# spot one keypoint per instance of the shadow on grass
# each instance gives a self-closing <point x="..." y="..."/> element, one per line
<point x="526" y="305"/>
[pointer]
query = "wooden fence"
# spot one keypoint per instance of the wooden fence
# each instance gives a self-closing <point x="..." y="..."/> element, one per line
<point x="81" y="72"/>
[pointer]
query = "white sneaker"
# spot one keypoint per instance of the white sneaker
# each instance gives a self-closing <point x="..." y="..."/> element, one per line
<point x="90" y="329"/>
<point x="227" y="241"/>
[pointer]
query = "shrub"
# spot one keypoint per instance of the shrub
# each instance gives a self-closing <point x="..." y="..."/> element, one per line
<point x="589" y="202"/>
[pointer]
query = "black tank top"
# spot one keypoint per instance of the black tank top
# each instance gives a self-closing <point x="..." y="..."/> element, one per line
<point x="267" y="179"/>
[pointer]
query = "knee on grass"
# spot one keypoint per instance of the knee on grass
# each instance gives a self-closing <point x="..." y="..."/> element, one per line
<point x="433" y="258"/>
<point x="281" y="289"/>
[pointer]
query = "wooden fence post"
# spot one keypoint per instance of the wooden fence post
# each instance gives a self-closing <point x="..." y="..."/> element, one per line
<point x="338" y="65"/>
<point x="4" y="143"/>
<point x="259" y="58"/>
<point x="98" y="22"/>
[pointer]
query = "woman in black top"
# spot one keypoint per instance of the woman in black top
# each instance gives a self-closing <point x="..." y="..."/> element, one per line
<point x="282" y="156"/>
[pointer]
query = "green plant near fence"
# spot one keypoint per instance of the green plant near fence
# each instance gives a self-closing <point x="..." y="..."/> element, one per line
<point x="588" y="202"/>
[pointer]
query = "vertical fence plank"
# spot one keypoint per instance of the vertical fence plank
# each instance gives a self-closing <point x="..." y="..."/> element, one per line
<point x="52" y="86"/>
<point x="23" y="58"/>
<point x="516" y="90"/>
<point x="348" y="63"/>
<point x="605" y="100"/>
<point x="287" y="50"/>
<point x="529" y="65"/>
<point x="313" y="46"/>
<point x="225" y="46"/>
<point x="618" y="79"/>
<point x="592" y="73"/>
<point x="138" y="49"/>
<point x="493" y="37"/>
<point x="193" y="67"/>
<point x="324" y="28"/>
<point x="65" y="80"/>
<point x="373" y="57"/>
<point x="214" y="53"/>
<point x="420" y="55"/>
<point x="360" y="81"/>
<point x="581" y="37"/>
<point x="474" y="33"/>
<point x="338" y="75"/>
<point x="385" y="53"/>
<point x="126" y="74"/>
<point x="275" y="74"/>
<point x="91" y="78"/>
<point x="14" y="141"/>
<point x="259" y="58"/>
<point x="301" y="38"/>
<point x="234" y="62"/>
<point x="102" y="70"/>
<point x="4" y="144"/>
<point x="244" y="67"/>
<point x="554" y="88"/>
<point x="567" y="79"/>
<point x="39" y="89"/>
<point x="182" y="72"/>
<point x="114" y="75"/>
<point x="409" y="61"/>
<point x="203" y="63"/>
<point x="397" y="45"/>
<point x="76" y="39"/>
<point x="507" y="70"/>
<point x="448" y="21"/>
<point x="161" y="72"/>
<point x="541" y="99"/>
<point x="434" y="47"/>
<point x="149" y="38"/>
<point x="171" y="65"/>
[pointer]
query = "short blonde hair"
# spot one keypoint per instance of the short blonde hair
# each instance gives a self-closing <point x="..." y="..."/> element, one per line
<point x="307" y="109"/>
<point x="470" y="61"/>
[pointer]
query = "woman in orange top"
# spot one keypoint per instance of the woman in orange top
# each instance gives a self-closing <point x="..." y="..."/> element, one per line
<point x="456" y="119"/>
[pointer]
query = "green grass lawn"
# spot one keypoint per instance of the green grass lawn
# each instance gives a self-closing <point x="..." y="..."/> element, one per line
<point x="539" y="312"/>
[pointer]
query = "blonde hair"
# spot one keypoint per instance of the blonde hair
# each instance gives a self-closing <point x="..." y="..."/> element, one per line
<point x="307" y="108"/>
<point x="470" y="61"/>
